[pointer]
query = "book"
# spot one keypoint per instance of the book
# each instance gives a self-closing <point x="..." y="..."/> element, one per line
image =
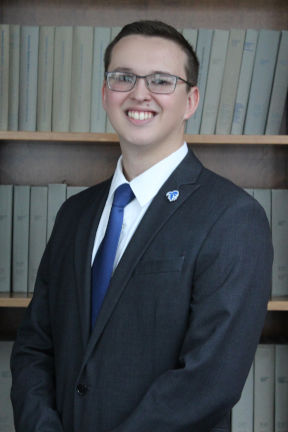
<point x="37" y="232"/>
<point x="62" y="78"/>
<point x="113" y="33"/>
<point x="14" y="73"/>
<point x="214" y="81"/>
<point x="281" y="388"/>
<point x="98" y="114"/>
<point x="280" y="242"/>
<point x="6" y="412"/>
<point x="4" y="75"/>
<point x="81" y="79"/>
<point x="244" y="83"/>
<point x="203" y="50"/>
<point x="29" y="41"/>
<point x="279" y="90"/>
<point x="264" y="387"/>
<point x="56" y="197"/>
<point x="45" y="78"/>
<point x="243" y="411"/>
<point x="20" y="239"/>
<point x="263" y="196"/>
<point x="262" y="80"/>
<point x="6" y="198"/>
<point x="230" y="81"/>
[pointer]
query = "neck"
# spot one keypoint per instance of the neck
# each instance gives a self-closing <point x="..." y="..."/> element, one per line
<point x="140" y="159"/>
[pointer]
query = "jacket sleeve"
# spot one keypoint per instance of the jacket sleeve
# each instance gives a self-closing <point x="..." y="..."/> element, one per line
<point x="32" y="364"/>
<point x="231" y="287"/>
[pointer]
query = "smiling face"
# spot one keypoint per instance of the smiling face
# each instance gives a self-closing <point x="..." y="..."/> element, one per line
<point x="145" y="121"/>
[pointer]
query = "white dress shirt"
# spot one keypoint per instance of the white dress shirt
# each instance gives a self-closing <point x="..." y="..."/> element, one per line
<point x="145" y="187"/>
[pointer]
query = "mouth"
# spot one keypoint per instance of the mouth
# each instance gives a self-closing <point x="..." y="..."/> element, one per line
<point x="140" y="115"/>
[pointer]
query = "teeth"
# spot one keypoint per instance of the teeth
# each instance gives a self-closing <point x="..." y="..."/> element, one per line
<point x="140" y="115"/>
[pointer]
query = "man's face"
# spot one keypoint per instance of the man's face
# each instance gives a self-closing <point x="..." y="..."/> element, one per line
<point x="142" y="118"/>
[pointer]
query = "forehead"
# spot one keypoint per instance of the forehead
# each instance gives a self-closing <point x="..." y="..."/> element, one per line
<point x="146" y="54"/>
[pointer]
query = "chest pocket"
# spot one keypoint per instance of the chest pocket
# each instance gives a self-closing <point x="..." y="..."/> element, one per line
<point x="170" y="265"/>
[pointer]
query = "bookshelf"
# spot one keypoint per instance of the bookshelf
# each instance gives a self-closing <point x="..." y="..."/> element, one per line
<point x="87" y="158"/>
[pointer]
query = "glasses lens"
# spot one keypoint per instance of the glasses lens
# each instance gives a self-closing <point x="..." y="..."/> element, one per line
<point x="120" y="81"/>
<point x="161" y="83"/>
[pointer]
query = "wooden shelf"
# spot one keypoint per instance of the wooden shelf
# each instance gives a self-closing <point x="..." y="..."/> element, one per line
<point x="112" y="138"/>
<point x="19" y="300"/>
<point x="277" y="304"/>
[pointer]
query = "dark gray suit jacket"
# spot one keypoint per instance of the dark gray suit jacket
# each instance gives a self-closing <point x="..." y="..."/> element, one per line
<point x="178" y="328"/>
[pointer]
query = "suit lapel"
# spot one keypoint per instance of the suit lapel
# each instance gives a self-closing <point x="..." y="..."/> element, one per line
<point x="183" y="179"/>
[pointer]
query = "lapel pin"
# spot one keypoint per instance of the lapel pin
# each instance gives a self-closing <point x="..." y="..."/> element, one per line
<point x="172" y="195"/>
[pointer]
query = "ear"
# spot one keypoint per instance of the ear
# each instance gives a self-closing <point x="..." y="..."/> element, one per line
<point x="104" y="94"/>
<point x="192" y="102"/>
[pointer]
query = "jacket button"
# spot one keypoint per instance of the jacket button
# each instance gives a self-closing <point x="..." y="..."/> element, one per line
<point x="81" y="389"/>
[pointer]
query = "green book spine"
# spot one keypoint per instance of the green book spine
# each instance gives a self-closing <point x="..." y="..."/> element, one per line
<point x="6" y="412"/>
<point x="262" y="80"/>
<point x="244" y="81"/>
<point x="45" y="78"/>
<point x="264" y="387"/>
<point x="214" y="81"/>
<point x="279" y="90"/>
<point x="20" y="239"/>
<point x="230" y="81"/>
<point x="37" y="232"/>
<point x="280" y="242"/>
<point x="14" y="72"/>
<point x="62" y="79"/>
<point x="28" y="77"/>
<point x="6" y="200"/>
<point x="82" y="54"/>
<point x="281" y="388"/>
<point x="4" y="75"/>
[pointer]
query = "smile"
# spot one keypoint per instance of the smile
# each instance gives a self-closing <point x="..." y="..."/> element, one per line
<point x="140" y="115"/>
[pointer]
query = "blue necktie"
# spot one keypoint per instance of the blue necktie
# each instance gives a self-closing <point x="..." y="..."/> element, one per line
<point x="103" y="263"/>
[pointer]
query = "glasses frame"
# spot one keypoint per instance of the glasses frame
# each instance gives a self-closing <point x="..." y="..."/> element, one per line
<point x="146" y="77"/>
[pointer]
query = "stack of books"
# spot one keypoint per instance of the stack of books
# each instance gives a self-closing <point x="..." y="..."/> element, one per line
<point x="51" y="79"/>
<point x="263" y="406"/>
<point x="27" y="215"/>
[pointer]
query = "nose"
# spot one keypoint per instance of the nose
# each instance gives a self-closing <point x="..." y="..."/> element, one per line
<point x="140" y="90"/>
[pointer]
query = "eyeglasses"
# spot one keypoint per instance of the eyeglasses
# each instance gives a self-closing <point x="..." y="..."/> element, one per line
<point x="161" y="83"/>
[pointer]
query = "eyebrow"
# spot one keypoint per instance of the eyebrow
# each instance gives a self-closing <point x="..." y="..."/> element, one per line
<point x="125" y="69"/>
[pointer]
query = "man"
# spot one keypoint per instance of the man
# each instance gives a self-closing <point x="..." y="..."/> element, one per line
<point x="168" y="344"/>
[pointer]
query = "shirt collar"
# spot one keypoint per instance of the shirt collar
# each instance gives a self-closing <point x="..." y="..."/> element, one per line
<point x="146" y="185"/>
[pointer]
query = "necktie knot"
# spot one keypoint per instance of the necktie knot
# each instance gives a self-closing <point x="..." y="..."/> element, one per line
<point x="123" y="195"/>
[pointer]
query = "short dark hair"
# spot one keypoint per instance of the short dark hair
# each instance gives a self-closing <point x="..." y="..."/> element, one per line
<point x="160" y="29"/>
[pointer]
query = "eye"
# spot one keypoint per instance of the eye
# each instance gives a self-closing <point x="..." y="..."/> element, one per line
<point x="161" y="80"/>
<point x="123" y="77"/>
